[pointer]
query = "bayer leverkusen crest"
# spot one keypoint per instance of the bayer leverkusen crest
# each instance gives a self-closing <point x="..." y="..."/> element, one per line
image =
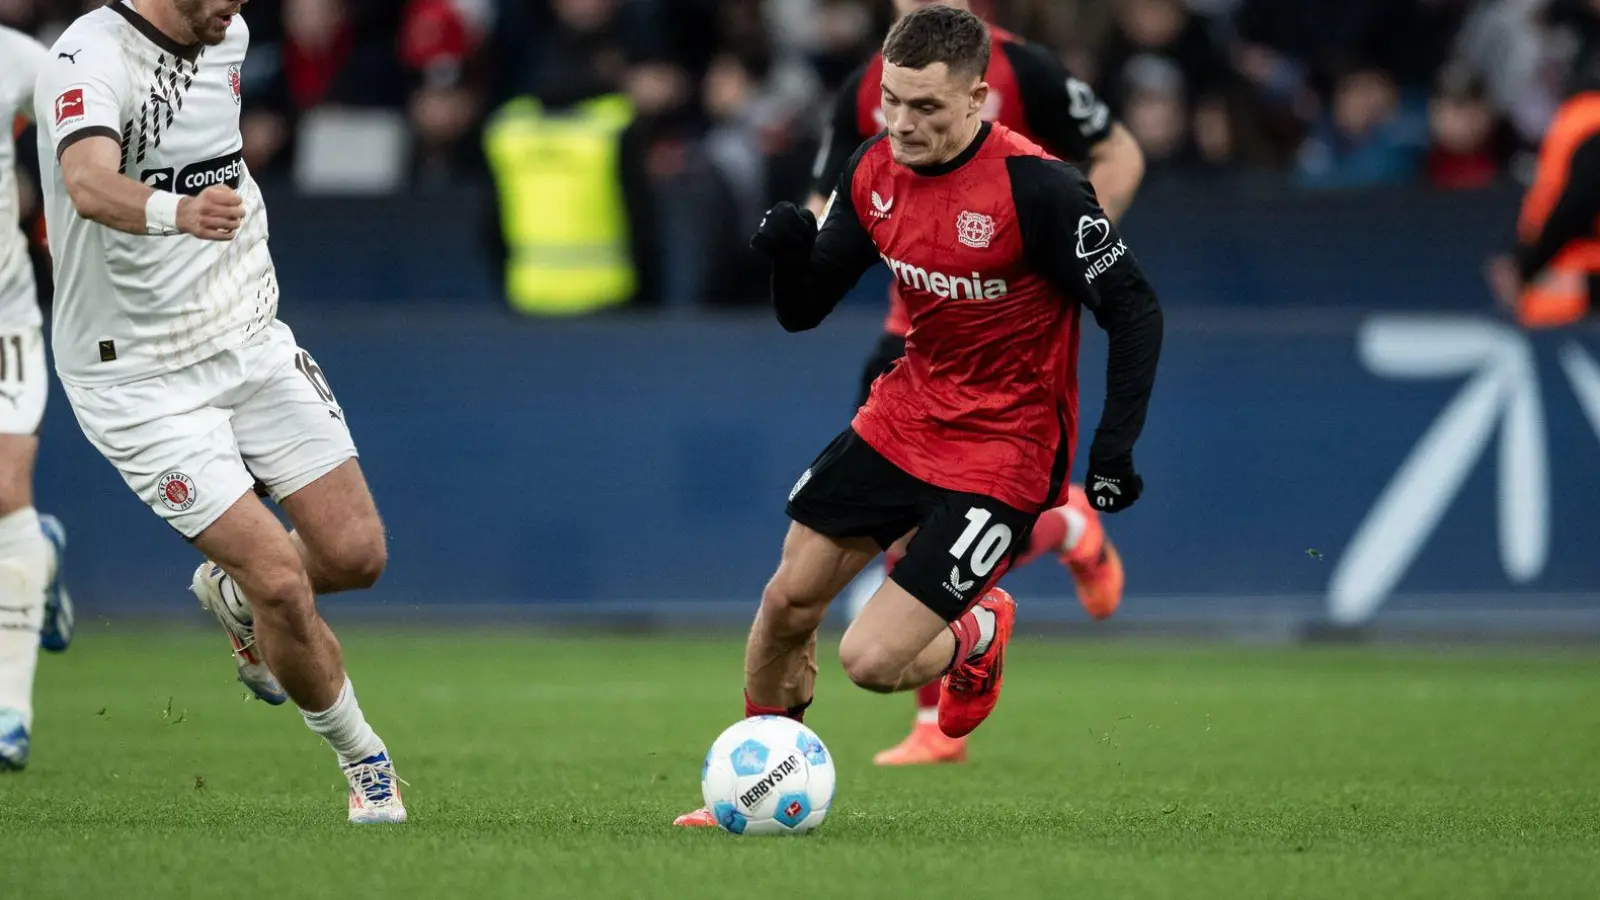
<point x="233" y="81"/>
<point x="974" y="229"/>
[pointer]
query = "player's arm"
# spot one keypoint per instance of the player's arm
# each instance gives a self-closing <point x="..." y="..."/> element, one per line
<point x="24" y="57"/>
<point x="840" y="138"/>
<point x="1072" y="122"/>
<point x="1572" y="217"/>
<point x="101" y="194"/>
<point x="813" y="268"/>
<point x="1116" y="167"/>
<point x="78" y="104"/>
<point x="1069" y="240"/>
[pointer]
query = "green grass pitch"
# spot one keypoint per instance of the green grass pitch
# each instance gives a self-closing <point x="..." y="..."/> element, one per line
<point x="551" y="767"/>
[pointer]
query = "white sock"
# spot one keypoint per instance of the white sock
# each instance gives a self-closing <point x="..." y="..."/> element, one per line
<point x="25" y="561"/>
<point x="344" y="728"/>
<point x="985" y="619"/>
<point x="928" y="716"/>
<point x="1077" y="524"/>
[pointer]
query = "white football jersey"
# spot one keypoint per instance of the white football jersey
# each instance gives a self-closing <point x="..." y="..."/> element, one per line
<point x="20" y="59"/>
<point x="129" y="306"/>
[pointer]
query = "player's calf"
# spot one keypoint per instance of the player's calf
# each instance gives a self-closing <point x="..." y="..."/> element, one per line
<point x="789" y="612"/>
<point x="780" y="664"/>
<point x="337" y="531"/>
<point x="249" y="544"/>
<point x="300" y="648"/>
<point x="221" y="596"/>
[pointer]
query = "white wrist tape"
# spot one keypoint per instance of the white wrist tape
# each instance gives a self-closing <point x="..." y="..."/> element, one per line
<point x="161" y="213"/>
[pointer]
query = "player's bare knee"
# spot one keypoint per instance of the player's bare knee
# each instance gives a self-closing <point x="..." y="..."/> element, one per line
<point x="365" y="559"/>
<point x="878" y="674"/>
<point x="280" y="590"/>
<point x="870" y="666"/>
<point x="361" y="559"/>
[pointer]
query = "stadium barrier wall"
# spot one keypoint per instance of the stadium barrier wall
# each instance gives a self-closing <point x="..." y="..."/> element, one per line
<point x="1436" y="469"/>
<point x="1223" y="244"/>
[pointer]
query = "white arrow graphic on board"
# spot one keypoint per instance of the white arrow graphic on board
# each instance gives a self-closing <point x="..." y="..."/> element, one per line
<point x="1584" y="373"/>
<point x="1502" y="388"/>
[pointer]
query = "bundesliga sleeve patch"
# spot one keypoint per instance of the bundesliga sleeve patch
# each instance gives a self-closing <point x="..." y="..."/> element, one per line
<point x="71" y="107"/>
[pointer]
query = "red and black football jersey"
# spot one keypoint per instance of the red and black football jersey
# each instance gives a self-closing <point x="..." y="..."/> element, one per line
<point x="994" y="253"/>
<point x="1030" y="92"/>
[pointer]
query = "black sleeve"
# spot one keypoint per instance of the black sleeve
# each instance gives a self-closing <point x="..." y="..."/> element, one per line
<point x="806" y="289"/>
<point x="1069" y="240"/>
<point x="841" y="135"/>
<point x="1573" y="215"/>
<point x="1062" y="111"/>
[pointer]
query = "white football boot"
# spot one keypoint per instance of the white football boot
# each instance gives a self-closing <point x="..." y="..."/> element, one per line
<point x="231" y="609"/>
<point x="374" y="791"/>
<point x="13" y="741"/>
<point x="55" y="634"/>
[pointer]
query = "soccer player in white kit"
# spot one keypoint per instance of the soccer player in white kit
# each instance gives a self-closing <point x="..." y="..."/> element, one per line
<point x="167" y="341"/>
<point x="34" y="609"/>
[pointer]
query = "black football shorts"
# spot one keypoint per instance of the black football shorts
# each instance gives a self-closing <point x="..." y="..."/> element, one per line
<point x="964" y="542"/>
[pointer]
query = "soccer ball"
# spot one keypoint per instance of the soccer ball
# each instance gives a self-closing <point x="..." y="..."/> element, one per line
<point x="768" y="775"/>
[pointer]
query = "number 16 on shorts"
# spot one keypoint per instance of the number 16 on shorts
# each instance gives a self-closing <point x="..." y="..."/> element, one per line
<point x="313" y="373"/>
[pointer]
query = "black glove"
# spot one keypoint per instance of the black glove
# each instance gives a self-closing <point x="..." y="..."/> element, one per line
<point x="786" y="231"/>
<point x="1112" y="485"/>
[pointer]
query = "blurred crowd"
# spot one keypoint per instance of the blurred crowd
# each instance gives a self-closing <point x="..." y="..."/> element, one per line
<point x="1333" y="91"/>
<point x="729" y="95"/>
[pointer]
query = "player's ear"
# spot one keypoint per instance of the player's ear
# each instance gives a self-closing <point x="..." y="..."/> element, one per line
<point x="980" y="93"/>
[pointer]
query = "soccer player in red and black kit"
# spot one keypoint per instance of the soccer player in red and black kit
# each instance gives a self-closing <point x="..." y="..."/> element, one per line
<point x="968" y="440"/>
<point x="1031" y="93"/>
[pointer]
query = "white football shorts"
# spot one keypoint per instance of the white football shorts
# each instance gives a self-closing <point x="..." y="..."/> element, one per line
<point x="24" y="380"/>
<point x="191" y="442"/>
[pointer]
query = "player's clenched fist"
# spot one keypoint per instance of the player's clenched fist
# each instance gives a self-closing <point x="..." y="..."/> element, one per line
<point x="1113" y="485"/>
<point x="215" y="215"/>
<point x="786" y="230"/>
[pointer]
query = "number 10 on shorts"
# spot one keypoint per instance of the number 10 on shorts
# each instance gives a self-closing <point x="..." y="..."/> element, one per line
<point x="990" y="548"/>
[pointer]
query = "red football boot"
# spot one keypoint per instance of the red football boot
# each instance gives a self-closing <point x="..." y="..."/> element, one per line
<point x="971" y="689"/>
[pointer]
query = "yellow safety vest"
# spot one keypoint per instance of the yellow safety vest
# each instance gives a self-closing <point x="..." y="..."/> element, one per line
<point x="561" y="204"/>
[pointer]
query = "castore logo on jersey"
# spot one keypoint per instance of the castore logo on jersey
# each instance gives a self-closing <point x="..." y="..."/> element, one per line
<point x="880" y="206"/>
